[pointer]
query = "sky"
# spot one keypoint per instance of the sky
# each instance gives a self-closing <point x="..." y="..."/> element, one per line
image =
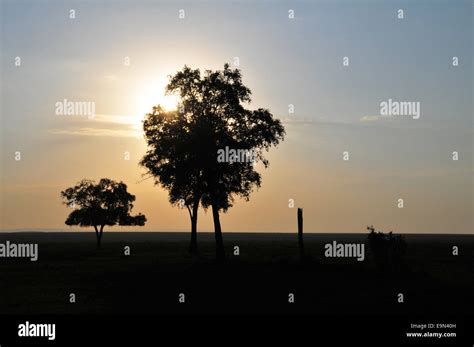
<point x="284" y="61"/>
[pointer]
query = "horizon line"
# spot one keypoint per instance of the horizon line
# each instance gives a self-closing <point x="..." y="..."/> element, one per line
<point x="229" y="232"/>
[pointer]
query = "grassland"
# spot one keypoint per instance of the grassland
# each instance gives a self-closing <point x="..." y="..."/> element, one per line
<point x="257" y="281"/>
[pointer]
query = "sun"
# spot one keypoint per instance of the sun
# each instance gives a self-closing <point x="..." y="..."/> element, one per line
<point x="152" y="93"/>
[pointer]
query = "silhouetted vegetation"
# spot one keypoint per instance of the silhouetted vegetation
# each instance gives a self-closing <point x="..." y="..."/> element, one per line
<point x="388" y="250"/>
<point x="98" y="205"/>
<point x="173" y="162"/>
<point x="183" y="145"/>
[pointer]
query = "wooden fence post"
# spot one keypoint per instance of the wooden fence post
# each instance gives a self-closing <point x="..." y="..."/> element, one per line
<point x="300" y="232"/>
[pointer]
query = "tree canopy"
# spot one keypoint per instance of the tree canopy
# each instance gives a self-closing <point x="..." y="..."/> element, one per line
<point x="183" y="145"/>
<point x="98" y="205"/>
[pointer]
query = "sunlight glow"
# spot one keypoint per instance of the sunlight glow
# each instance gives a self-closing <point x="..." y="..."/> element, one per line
<point x="152" y="94"/>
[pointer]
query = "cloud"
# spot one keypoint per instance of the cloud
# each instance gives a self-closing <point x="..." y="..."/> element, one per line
<point x="97" y="132"/>
<point x="369" y="118"/>
<point x="111" y="78"/>
<point x="319" y="120"/>
<point x="117" y="119"/>
<point x="100" y="125"/>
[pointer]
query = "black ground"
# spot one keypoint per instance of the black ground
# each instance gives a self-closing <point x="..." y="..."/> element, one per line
<point x="435" y="283"/>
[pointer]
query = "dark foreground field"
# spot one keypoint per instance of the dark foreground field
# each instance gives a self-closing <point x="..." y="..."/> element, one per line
<point x="258" y="281"/>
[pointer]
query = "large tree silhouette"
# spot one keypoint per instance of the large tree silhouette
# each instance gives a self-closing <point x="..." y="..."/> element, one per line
<point x="98" y="205"/>
<point x="172" y="160"/>
<point x="211" y="118"/>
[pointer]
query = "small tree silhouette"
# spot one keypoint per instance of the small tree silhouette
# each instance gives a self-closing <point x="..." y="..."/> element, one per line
<point x="98" y="205"/>
<point x="388" y="250"/>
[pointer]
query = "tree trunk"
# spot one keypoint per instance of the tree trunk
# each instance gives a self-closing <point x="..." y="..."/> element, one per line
<point x="97" y="236"/>
<point x="99" y="240"/>
<point x="193" y="248"/>
<point x="220" y="252"/>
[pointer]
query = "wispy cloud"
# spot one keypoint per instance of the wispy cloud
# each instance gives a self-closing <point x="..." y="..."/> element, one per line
<point x="101" y="125"/>
<point x="314" y="120"/>
<point x="369" y="118"/>
<point x="117" y="119"/>
<point x="96" y="132"/>
<point x="111" y="78"/>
